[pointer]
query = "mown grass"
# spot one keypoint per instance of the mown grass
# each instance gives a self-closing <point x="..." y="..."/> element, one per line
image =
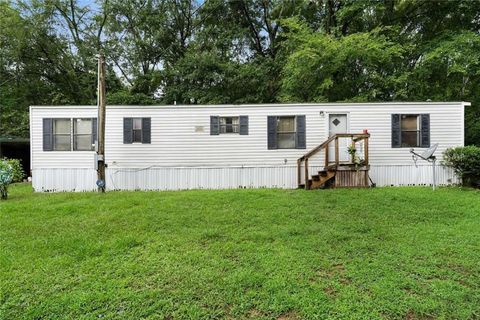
<point x="266" y="254"/>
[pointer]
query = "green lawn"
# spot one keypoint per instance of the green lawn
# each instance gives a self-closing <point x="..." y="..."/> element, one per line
<point x="265" y="254"/>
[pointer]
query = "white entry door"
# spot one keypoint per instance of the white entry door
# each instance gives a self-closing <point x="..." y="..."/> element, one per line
<point x="338" y="123"/>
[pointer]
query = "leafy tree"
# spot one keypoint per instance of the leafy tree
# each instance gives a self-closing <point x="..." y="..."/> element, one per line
<point x="242" y="51"/>
<point x="47" y="57"/>
<point x="358" y="67"/>
<point x="144" y="36"/>
<point x="449" y="70"/>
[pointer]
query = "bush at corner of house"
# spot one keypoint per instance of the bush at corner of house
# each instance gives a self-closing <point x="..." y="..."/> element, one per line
<point x="6" y="176"/>
<point x="18" y="173"/>
<point x="465" y="161"/>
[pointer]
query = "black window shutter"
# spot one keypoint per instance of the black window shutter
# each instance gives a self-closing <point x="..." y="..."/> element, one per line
<point x="425" y="131"/>
<point x="146" y="130"/>
<point x="272" y="132"/>
<point x="47" y="134"/>
<point x="94" y="130"/>
<point x="244" y="125"/>
<point x="127" y="130"/>
<point x="396" y="131"/>
<point x="214" y="125"/>
<point x="301" y="136"/>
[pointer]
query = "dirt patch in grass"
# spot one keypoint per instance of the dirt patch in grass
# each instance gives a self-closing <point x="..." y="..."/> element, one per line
<point x="331" y="292"/>
<point x="255" y="313"/>
<point x="291" y="315"/>
<point x="411" y="315"/>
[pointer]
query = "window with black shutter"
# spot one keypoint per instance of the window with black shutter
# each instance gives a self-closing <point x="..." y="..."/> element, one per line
<point x="410" y="130"/>
<point x="47" y="134"/>
<point x="286" y="132"/>
<point x="136" y="130"/>
<point x="243" y="125"/>
<point x="67" y="134"/>
<point x="230" y="124"/>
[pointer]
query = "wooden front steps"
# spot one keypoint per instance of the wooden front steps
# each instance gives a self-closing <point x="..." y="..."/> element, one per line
<point x="321" y="179"/>
<point x="336" y="174"/>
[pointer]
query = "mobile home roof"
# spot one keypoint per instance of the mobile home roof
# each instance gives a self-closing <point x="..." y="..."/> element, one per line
<point x="267" y="105"/>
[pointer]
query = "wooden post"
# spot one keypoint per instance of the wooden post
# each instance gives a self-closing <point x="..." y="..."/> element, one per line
<point x="306" y="174"/>
<point x="353" y="146"/>
<point x="299" y="172"/>
<point x="336" y="152"/>
<point x="326" y="155"/>
<point x="101" y="99"/>
<point x="366" y="150"/>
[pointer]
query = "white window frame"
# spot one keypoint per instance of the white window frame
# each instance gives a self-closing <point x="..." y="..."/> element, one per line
<point x="220" y="125"/>
<point x="54" y="145"/>
<point x="141" y="130"/>
<point x="74" y="134"/>
<point x="418" y="131"/>
<point x="287" y="132"/>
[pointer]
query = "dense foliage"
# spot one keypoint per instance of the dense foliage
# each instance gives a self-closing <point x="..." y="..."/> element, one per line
<point x="6" y="176"/>
<point x="466" y="163"/>
<point x="216" y="51"/>
<point x="17" y="169"/>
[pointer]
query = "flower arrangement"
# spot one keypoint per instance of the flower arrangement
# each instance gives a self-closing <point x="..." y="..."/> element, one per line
<point x="352" y="150"/>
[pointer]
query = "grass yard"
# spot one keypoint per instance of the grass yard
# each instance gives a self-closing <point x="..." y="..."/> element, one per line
<point x="404" y="253"/>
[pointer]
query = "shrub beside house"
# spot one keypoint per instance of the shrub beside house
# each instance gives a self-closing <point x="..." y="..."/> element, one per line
<point x="465" y="161"/>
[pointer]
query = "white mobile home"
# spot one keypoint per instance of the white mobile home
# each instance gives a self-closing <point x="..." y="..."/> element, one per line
<point x="233" y="146"/>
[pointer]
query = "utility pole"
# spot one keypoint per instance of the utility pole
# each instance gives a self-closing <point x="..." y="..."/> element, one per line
<point x="101" y="100"/>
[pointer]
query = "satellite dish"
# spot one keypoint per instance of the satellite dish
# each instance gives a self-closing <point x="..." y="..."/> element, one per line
<point x="427" y="155"/>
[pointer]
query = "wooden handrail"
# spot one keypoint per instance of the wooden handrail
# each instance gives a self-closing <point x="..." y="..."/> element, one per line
<point x="356" y="137"/>
<point x="317" y="149"/>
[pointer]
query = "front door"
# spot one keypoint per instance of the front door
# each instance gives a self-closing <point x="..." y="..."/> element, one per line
<point x="338" y="123"/>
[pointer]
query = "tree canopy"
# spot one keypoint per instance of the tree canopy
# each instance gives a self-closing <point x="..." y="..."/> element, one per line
<point x="238" y="51"/>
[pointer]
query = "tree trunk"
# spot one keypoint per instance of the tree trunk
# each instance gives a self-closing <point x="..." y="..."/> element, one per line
<point x="3" y="192"/>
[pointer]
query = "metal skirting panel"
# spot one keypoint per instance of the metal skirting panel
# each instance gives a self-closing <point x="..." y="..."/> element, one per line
<point x="182" y="178"/>
<point x="58" y="180"/>
<point x="409" y="175"/>
<point x="201" y="178"/>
